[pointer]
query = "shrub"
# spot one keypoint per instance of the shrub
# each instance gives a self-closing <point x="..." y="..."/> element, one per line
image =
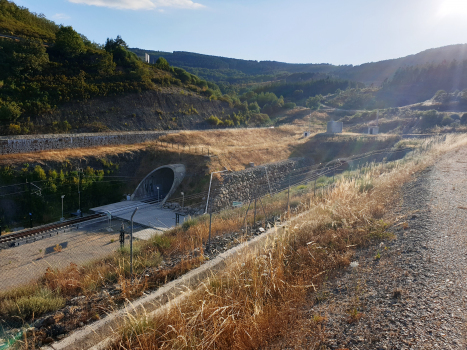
<point x="188" y="223"/>
<point x="447" y="120"/>
<point x="14" y="129"/>
<point x="25" y="306"/>
<point x="464" y="119"/>
<point x="259" y="119"/>
<point x="214" y="120"/>
<point x="430" y="119"/>
<point x="9" y="112"/>
<point x="289" y="105"/>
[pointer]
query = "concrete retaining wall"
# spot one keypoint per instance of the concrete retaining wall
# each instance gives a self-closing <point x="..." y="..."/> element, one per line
<point x="37" y="143"/>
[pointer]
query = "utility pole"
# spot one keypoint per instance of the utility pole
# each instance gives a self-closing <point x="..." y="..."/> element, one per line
<point x="62" y="218"/>
<point x="131" y="245"/>
<point x="30" y="204"/>
<point x="79" y="193"/>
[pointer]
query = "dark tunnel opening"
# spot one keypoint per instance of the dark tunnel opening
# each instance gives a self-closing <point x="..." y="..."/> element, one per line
<point x="156" y="186"/>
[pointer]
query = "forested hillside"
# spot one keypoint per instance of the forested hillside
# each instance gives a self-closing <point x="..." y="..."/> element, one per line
<point x="235" y="71"/>
<point x="36" y="78"/>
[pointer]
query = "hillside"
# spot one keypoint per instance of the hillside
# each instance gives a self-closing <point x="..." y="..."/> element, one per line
<point x="18" y="21"/>
<point x="48" y="87"/>
<point x="221" y="68"/>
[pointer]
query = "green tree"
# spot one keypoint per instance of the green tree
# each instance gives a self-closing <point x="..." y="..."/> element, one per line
<point x="69" y="43"/>
<point x="9" y="111"/>
<point x="162" y="63"/>
<point x="314" y="102"/>
<point x="254" y="107"/>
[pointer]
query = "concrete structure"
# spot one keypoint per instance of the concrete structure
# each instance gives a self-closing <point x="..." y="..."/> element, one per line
<point x="306" y="134"/>
<point x="156" y="187"/>
<point x="334" y="127"/>
<point x="146" y="58"/>
<point x="149" y="215"/>
<point x="374" y="129"/>
<point x="160" y="184"/>
<point x="37" y="143"/>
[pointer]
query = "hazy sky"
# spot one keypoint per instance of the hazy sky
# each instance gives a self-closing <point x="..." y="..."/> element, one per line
<point x="296" y="31"/>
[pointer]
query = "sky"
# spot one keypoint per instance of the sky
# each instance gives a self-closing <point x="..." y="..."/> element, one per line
<point x="293" y="31"/>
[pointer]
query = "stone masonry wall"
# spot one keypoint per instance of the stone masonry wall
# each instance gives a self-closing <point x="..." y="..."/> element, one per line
<point x="36" y="143"/>
<point x="254" y="182"/>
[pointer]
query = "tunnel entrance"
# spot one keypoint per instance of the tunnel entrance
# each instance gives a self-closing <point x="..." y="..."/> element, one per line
<point x="160" y="184"/>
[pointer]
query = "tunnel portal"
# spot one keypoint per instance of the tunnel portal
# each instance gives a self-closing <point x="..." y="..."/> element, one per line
<point x="160" y="184"/>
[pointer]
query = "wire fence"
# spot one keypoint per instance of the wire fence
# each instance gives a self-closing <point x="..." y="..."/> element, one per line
<point x="269" y="202"/>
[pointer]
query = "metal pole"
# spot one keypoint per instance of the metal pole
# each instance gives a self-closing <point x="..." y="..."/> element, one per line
<point x="79" y="194"/>
<point x="62" y="218"/>
<point x="210" y="224"/>
<point x="131" y="245"/>
<point x="254" y="217"/>
<point x="246" y="214"/>
<point x="30" y="205"/>
<point x="288" y="199"/>
<point x="209" y="191"/>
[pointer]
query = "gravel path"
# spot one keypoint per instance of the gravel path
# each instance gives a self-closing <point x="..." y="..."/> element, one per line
<point x="413" y="294"/>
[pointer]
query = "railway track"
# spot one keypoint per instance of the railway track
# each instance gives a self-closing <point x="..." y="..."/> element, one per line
<point x="34" y="234"/>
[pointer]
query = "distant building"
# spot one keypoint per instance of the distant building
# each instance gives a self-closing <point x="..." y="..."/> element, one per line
<point x="334" y="127"/>
<point x="147" y="58"/>
<point x="306" y="134"/>
<point x="372" y="129"/>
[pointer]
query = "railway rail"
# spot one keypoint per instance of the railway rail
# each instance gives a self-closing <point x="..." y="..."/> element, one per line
<point x="32" y="234"/>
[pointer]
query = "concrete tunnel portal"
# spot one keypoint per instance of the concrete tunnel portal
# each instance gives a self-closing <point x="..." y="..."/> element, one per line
<point x="160" y="183"/>
<point x="149" y="199"/>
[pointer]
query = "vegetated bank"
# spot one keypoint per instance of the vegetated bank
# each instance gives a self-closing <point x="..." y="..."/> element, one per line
<point x="258" y="298"/>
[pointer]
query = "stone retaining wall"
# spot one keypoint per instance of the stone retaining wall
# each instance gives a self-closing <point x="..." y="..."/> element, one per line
<point x="37" y="143"/>
<point x="254" y="182"/>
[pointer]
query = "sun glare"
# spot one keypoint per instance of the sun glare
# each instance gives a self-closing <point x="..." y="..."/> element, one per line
<point x="449" y="8"/>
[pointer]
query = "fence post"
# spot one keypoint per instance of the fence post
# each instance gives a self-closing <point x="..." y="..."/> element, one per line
<point x="254" y="217"/>
<point x="131" y="245"/>
<point x="210" y="224"/>
<point x="288" y="199"/>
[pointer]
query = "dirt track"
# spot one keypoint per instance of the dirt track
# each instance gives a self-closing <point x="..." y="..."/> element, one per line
<point x="405" y="293"/>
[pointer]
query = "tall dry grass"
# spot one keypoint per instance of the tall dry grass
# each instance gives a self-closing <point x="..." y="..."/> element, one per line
<point x="234" y="148"/>
<point x="256" y="299"/>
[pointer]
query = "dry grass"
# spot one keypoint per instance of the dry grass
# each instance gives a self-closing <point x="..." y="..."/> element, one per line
<point x="233" y="148"/>
<point x="257" y="298"/>
<point x="72" y="153"/>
